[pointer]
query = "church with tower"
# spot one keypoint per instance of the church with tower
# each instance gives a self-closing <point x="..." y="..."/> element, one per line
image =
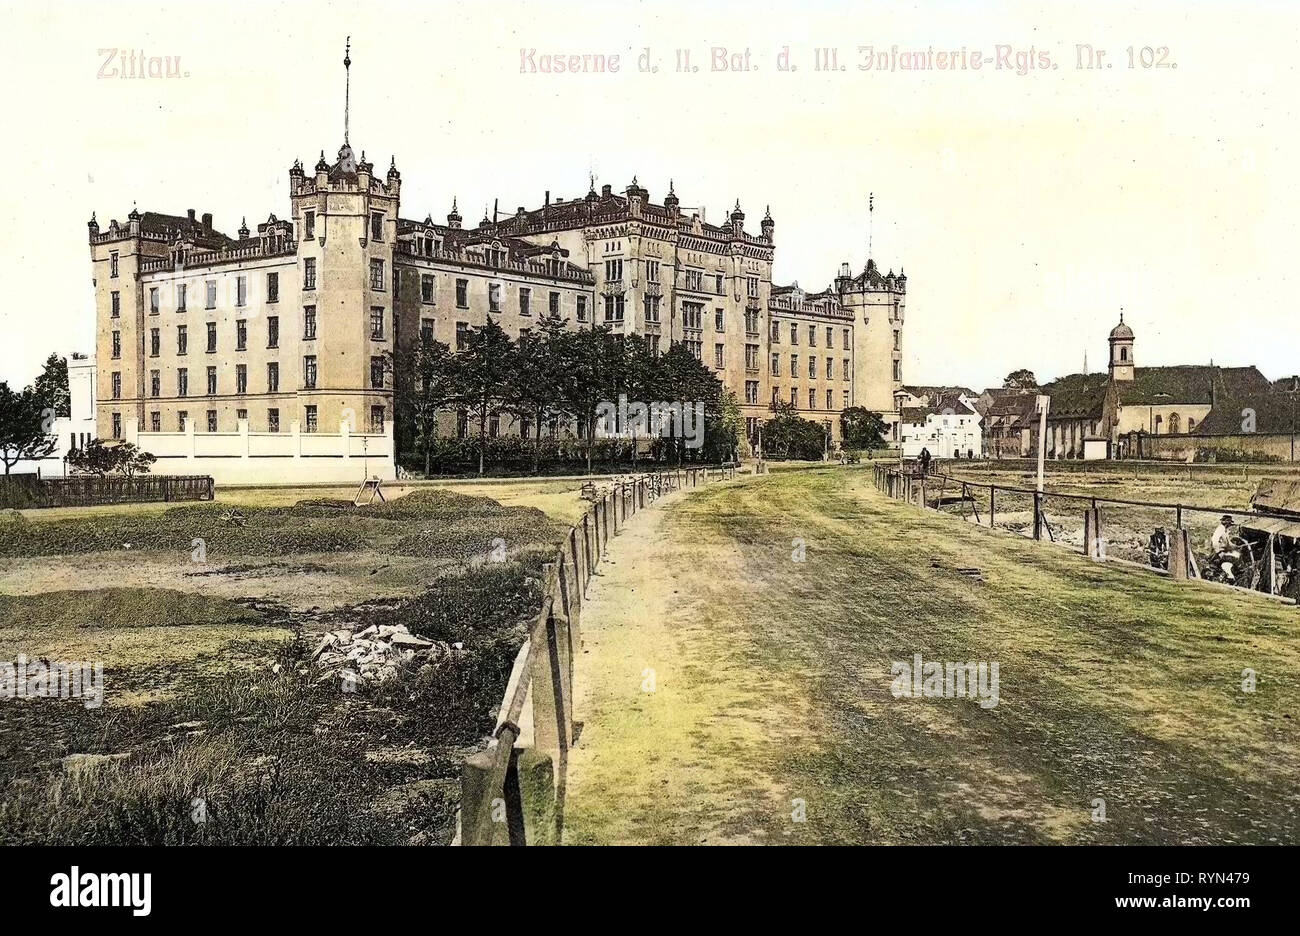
<point x="1108" y="415"/>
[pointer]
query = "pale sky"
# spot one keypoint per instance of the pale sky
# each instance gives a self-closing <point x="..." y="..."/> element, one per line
<point x="1026" y="208"/>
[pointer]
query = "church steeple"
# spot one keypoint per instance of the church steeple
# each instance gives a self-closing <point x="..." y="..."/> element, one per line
<point x="1121" y="351"/>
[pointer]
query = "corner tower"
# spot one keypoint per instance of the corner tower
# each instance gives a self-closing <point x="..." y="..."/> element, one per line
<point x="1121" y="351"/>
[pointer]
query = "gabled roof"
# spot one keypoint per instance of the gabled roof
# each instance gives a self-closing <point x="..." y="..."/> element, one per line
<point x="170" y="226"/>
<point x="1272" y="412"/>
<point x="1077" y="395"/>
<point x="1189" y="383"/>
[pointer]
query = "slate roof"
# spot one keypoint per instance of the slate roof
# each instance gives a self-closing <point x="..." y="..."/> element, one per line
<point x="1189" y="383"/>
<point x="1081" y="396"/>
<point x="1274" y="412"/>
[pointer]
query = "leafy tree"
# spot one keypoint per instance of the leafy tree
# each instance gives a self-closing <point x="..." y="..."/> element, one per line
<point x="789" y="435"/>
<point x="1022" y="379"/>
<point x="862" y="429"/>
<point x="25" y="424"/>
<point x="51" y="385"/>
<point x="590" y="377"/>
<point x="536" y="390"/>
<point x="423" y="381"/>
<point x="481" y="374"/>
<point x="102" y="458"/>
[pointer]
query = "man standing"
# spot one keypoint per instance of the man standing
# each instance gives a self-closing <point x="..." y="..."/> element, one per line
<point x="924" y="459"/>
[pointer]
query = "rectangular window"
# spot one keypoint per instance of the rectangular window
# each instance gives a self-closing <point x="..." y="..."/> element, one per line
<point x="898" y="340"/>
<point x="776" y="365"/>
<point x="751" y="357"/>
<point x="376" y="225"/>
<point x="830" y="369"/>
<point x="377" y="323"/>
<point x="155" y="421"/>
<point x="898" y="370"/>
<point x="309" y="371"/>
<point x="812" y="366"/>
<point x="426" y="331"/>
<point x="377" y="373"/>
<point x="272" y="420"/>
<point x="525" y="301"/>
<point x="775" y="332"/>
<point x="462" y="294"/>
<point x="212" y="337"/>
<point x="377" y="274"/>
<point x="117" y="385"/>
<point x="211" y="294"/>
<point x="812" y="336"/>
<point x="845" y="396"/>
<point x="720" y="283"/>
<point x="309" y="273"/>
<point x="155" y="342"/>
<point x="309" y="224"/>
<point x="613" y="270"/>
<point x="427" y="287"/>
<point x="794" y="396"/>
<point x="377" y="420"/>
<point x="582" y="308"/>
<point x="112" y="264"/>
<point x="180" y="297"/>
<point x="812" y="398"/>
<point x="751" y="287"/>
<point x="117" y="344"/>
<point x="717" y="355"/>
<point x="494" y="297"/>
<point x="553" y="306"/>
<point x="309" y="322"/>
<point x="153" y="300"/>
<point x="273" y="331"/>
<point x="241" y="334"/>
<point x="182" y="382"/>
<point x="652" y="271"/>
<point x="117" y="425"/>
<point x="794" y="333"/>
<point x="241" y="378"/>
<point x="847" y="339"/>
<point x="830" y="337"/>
<point x="844" y="371"/>
<point x="830" y="399"/>
<point x="310" y="411"/>
<point x="241" y="290"/>
<point x="241" y="415"/>
<point x="692" y="315"/>
<point x="155" y="383"/>
<point x="695" y="280"/>
<point x="719" y="320"/>
<point x="116" y="299"/>
<point x="212" y="420"/>
<point x="794" y="365"/>
<point x="462" y="336"/>
<point x="182" y="339"/>
<point x="212" y="381"/>
<point x="273" y="377"/>
<point x="272" y="287"/>
<point x="751" y="391"/>
<point x="182" y="417"/>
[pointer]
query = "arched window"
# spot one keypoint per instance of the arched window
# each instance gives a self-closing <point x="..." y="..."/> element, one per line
<point x="1191" y="423"/>
<point x="1174" y="423"/>
<point x="1123" y="354"/>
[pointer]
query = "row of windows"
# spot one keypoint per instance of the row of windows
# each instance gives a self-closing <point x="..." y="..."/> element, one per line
<point x="310" y="420"/>
<point x="812" y="397"/>
<point x="812" y="367"/>
<point x="847" y="335"/>
<point x="377" y="333"/>
<point x="378" y="372"/>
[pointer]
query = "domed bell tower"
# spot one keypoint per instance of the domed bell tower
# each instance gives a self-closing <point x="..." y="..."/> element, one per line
<point x="1121" y="351"/>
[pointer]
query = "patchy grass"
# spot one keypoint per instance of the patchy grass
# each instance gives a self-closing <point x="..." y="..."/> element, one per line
<point x="773" y="685"/>
<point x="209" y="699"/>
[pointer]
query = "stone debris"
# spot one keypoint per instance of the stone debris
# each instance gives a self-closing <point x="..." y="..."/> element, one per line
<point x="376" y="653"/>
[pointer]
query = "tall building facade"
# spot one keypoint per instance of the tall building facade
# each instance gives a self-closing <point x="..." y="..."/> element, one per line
<point x="293" y="323"/>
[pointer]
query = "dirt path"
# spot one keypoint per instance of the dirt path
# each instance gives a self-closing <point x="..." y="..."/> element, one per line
<point x="732" y="694"/>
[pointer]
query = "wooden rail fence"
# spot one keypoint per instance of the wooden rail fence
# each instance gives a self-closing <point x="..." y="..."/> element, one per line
<point x="89" y="490"/>
<point x="916" y="488"/>
<point x="512" y="793"/>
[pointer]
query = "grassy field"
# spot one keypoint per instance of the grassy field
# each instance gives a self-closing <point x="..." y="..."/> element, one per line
<point x="204" y="629"/>
<point x="772" y="696"/>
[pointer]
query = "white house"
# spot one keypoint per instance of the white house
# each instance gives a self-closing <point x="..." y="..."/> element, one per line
<point x="947" y="424"/>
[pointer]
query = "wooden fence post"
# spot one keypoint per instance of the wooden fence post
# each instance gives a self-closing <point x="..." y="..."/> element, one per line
<point x="1178" y="556"/>
<point x="1038" y="515"/>
<point x="993" y="505"/>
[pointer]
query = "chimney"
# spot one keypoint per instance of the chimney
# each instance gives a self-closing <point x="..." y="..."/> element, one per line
<point x="548" y="198"/>
<point x="606" y="190"/>
<point x="207" y="220"/>
<point x="191" y="214"/>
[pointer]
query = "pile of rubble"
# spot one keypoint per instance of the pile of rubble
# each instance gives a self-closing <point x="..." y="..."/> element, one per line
<point x="376" y="653"/>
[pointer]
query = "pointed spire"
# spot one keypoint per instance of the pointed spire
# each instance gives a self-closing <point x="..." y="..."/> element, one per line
<point x="347" y="87"/>
<point x="243" y="227"/>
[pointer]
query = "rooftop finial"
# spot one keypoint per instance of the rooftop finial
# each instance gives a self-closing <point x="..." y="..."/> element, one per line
<point x="347" y="86"/>
<point x="871" y="210"/>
